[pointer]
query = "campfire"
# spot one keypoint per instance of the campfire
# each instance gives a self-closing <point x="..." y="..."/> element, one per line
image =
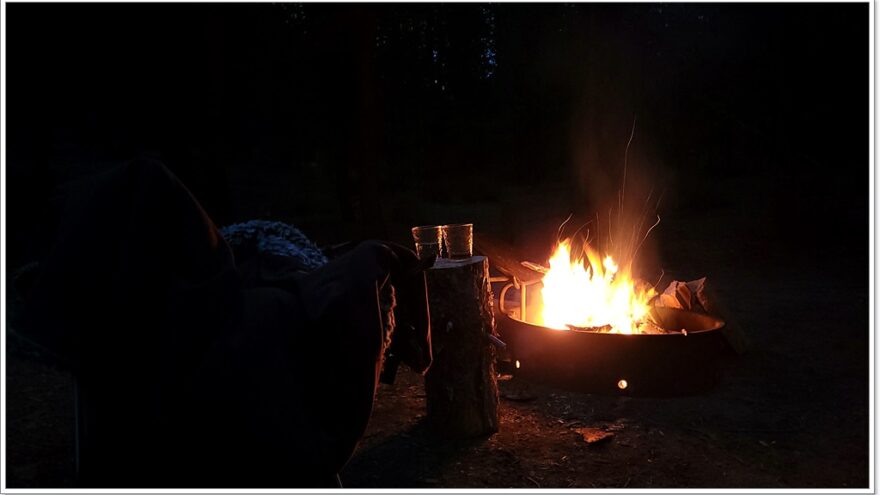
<point x="593" y="293"/>
<point x="586" y="322"/>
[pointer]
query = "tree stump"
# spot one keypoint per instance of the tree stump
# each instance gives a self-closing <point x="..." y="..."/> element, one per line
<point x="461" y="386"/>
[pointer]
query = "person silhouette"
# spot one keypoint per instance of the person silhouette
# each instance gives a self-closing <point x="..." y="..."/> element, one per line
<point x="193" y="371"/>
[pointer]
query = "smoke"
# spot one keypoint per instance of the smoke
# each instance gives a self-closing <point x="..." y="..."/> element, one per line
<point x="620" y="186"/>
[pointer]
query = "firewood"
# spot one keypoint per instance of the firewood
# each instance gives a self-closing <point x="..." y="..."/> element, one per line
<point x="599" y="329"/>
<point x="699" y="296"/>
<point x="461" y="386"/>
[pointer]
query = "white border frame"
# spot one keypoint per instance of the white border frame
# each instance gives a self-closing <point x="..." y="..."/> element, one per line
<point x="3" y="196"/>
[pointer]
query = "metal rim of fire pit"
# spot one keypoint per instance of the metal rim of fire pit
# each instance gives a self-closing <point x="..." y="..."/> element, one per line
<point x="679" y="363"/>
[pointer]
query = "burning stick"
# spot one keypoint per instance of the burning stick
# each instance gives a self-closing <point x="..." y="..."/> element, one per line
<point x="602" y="329"/>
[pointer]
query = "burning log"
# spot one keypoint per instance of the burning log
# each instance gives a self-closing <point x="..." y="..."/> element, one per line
<point x="645" y="327"/>
<point x="601" y="329"/>
<point x="461" y="387"/>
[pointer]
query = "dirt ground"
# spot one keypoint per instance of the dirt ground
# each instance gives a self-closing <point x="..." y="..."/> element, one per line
<point x="781" y="418"/>
<point x="790" y="412"/>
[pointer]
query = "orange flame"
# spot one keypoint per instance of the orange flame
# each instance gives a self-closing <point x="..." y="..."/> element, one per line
<point x="591" y="292"/>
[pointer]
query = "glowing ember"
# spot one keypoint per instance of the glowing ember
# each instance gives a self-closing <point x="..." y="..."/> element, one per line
<point x="591" y="292"/>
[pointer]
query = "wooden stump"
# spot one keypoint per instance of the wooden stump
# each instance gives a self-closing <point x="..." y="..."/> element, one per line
<point x="461" y="386"/>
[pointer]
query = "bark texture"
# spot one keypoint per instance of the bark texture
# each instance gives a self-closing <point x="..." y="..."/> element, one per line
<point x="461" y="386"/>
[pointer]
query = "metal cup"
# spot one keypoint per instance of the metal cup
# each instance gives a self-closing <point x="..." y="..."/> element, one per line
<point x="459" y="240"/>
<point x="428" y="239"/>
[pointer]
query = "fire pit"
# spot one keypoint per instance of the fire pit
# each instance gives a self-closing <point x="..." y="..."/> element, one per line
<point x="679" y="363"/>
<point x="595" y="328"/>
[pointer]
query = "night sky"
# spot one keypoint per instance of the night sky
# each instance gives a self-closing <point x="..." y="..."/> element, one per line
<point x="354" y="121"/>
